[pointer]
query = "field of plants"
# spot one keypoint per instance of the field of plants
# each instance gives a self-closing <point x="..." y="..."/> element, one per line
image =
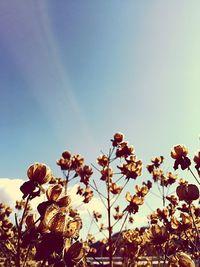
<point x="51" y="236"/>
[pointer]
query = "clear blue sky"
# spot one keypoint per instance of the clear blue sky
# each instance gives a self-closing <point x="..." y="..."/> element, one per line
<point x="72" y="73"/>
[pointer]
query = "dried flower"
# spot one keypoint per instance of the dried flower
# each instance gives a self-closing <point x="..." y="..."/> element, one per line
<point x="118" y="138"/>
<point x="39" y="173"/>
<point x="115" y="189"/>
<point x="132" y="169"/>
<point x="124" y="150"/>
<point x="85" y="173"/>
<point x="97" y="215"/>
<point x="158" y="234"/>
<point x="188" y="192"/>
<point x="103" y="160"/>
<point x="107" y="174"/>
<point x="179" y="153"/>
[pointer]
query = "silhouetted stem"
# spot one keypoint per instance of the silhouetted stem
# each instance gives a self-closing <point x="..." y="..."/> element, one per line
<point x="109" y="225"/>
<point x="19" y="228"/>
<point x="121" y="230"/>
<point x="194" y="175"/>
<point x="119" y="194"/>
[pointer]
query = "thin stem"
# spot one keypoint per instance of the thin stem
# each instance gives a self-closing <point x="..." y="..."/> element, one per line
<point x="96" y="224"/>
<point x="97" y="189"/>
<point x="118" y="219"/>
<point x="163" y="195"/>
<point x="67" y="180"/>
<point x="194" y="175"/>
<point x="29" y="247"/>
<point x="19" y="227"/>
<point x="120" y="230"/>
<point x="119" y="178"/>
<point x="95" y="167"/>
<point x="101" y="196"/>
<point x="109" y="224"/>
<point x="119" y="194"/>
<point x="155" y="195"/>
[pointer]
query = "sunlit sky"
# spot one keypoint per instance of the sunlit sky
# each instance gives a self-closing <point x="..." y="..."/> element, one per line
<point x="72" y="73"/>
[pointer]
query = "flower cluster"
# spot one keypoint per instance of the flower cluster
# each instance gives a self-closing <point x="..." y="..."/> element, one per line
<point x="73" y="166"/>
<point x="138" y="198"/>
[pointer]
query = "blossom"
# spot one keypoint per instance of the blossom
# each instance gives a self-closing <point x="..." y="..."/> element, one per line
<point x="158" y="234"/>
<point x="118" y="138"/>
<point x="179" y="153"/>
<point x="103" y="160"/>
<point x="115" y="189"/>
<point x="131" y="169"/>
<point x="39" y="173"/>
<point x="85" y="173"/>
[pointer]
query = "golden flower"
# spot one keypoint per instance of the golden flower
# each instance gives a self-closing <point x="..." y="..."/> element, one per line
<point x="141" y="191"/>
<point x="39" y="173"/>
<point x="181" y="259"/>
<point x="115" y="189"/>
<point x="134" y="202"/>
<point x="134" y="199"/>
<point x="158" y="234"/>
<point x="153" y="217"/>
<point x="65" y="164"/>
<point x="163" y="214"/>
<point x="157" y="175"/>
<point x="77" y="162"/>
<point x="118" y="138"/>
<point x="85" y="173"/>
<point x="59" y="222"/>
<point x="103" y="160"/>
<point x="132" y="169"/>
<point x="91" y="238"/>
<point x="102" y="227"/>
<point x="118" y="216"/>
<point x="107" y="174"/>
<point x="186" y="221"/>
<point x="88" y="194"/>
<point x="179" y="151"/>
<point x="171" y="178"/>
<point x="157" y="161"/>
<point x="55" y="194"/>
<point x="133" y="237"/>
<point x="97" y="215"/>
<point x="197" y="158"/>
<point x="172" y="199"/>
<point x="124" y="150"/>
<point x="174" y="223"/>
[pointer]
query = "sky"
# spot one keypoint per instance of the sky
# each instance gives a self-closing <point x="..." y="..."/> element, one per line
<point x="72" y="73"/>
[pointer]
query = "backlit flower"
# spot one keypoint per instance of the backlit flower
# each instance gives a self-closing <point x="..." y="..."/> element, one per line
<point x="39" y="173"/>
